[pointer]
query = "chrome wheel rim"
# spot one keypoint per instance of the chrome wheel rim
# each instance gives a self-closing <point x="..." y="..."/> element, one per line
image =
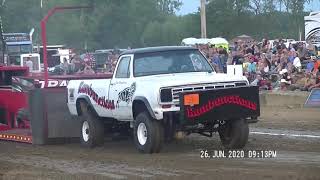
<point x="142" y="133"/>
<point x="85" y="131"/>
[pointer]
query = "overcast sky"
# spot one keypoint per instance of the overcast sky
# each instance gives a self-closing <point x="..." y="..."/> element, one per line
<point x="190" y="6"/>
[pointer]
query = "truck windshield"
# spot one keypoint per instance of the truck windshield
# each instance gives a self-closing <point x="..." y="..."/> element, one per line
<point x="14" y="49"/>
<point x="26" y="48"/>
<point x="176" y="61"/>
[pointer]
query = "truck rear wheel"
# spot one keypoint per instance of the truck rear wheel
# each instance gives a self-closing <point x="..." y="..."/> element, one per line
<point x="148" y="134"/>
<point x="92" y="129"/>
<point x="234" y="134"/>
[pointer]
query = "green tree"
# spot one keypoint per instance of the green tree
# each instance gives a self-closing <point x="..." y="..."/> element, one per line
<point x="168" y="6"/>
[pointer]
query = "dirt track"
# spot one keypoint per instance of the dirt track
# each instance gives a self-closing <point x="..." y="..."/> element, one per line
<point x="293" y="133"/>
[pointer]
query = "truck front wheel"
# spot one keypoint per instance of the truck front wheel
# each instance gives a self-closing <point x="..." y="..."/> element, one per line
<point x="234" y="134"/>
<point x="92" y="129"/>
<point x="148" y="134"/>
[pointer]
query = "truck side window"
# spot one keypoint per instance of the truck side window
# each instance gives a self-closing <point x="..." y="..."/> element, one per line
<point x="123" y="70"/>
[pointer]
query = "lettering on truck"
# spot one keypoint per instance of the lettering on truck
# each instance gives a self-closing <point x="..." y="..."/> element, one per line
<point x="101" y="101"/>
<point x="232" y="99"/>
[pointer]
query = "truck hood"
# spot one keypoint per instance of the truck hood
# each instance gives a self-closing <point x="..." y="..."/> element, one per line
<point x="178" y="79"/>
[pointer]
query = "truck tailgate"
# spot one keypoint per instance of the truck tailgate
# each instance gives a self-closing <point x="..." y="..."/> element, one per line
<point x="219" y="104"/>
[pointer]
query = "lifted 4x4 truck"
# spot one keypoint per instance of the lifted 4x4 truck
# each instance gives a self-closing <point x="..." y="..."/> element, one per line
<point x="161" y="92"/>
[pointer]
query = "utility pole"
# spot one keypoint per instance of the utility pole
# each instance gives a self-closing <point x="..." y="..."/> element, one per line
<point x="2" y="40"/>
<point x="203" y="19"/>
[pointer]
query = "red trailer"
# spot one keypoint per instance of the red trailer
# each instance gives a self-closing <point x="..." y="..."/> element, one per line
<point x="13" y="122"/>
<point x="16" y="83"/>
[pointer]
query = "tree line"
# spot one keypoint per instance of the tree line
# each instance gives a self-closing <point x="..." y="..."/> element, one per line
<point x="141" y="23"/>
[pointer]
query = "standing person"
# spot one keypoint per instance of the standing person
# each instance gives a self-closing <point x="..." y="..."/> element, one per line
<point x="72" y="64"/>
<point x="236" y="46"/>
<point x="252" y="65"/>
<point x="311" y="49"/>
<point x="297" y="63"/>
<point x="114" y="60"/>
<point x="216" y="61"/>
<point x="223" y="55"/>
<point x="29" y="64"/>
<point x="266" y="65"/>
<point x="256" y="49"/>
<point x="236" y="57"/>
<point x="65" y="66"/>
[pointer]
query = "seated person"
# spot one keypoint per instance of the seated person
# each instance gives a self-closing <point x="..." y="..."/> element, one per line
<point x="285" y="79"/>
<point x="310" y="66"/>
<point x="256" y="81"/>
<point x="88" y="69"/>
<point x="75" y="64"/>
<point x="303" y="83"/>
<point x="316" y="84"/>
<point x="316" y="65"/>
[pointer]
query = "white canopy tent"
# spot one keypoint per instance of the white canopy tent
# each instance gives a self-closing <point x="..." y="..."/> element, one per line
<point x="312" y="28"/>
<point x="194" y="41"/>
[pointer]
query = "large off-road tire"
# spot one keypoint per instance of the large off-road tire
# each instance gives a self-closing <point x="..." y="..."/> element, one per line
<point x="159" y="136"/>
<point x="234" y="134"/>
<point x="92" y="129"/>
<point x="148" y="134"/>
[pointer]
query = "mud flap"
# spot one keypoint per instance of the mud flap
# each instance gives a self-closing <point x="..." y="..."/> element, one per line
<point x="219" y="104"/>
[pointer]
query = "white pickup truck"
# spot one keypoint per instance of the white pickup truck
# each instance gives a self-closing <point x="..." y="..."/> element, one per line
<point x="161" y="92"/>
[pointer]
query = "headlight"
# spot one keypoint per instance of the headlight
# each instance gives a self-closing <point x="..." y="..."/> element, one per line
<point x="165" y="95"/>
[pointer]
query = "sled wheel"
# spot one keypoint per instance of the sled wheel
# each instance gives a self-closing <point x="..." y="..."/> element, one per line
<point x="234" y="134"/>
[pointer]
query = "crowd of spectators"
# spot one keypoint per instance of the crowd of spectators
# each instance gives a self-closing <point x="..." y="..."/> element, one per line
<point x="270" y="64"/>
<point x="87" y="64"/>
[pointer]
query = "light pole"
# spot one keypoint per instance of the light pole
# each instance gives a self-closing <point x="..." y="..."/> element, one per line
<point x="203" y="19"/>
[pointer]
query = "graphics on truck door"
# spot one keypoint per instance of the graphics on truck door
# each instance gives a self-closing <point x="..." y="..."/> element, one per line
<point x="97" y="92"/>
<point x="122" y="89"/>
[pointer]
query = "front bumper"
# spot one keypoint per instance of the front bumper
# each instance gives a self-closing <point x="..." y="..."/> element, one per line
<point x="220" y="104"/>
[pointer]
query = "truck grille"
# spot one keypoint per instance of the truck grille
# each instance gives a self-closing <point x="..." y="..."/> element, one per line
<point x="177" y="90"/>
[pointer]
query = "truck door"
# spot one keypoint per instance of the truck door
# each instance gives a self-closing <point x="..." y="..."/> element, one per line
<point x="122" y="88"/>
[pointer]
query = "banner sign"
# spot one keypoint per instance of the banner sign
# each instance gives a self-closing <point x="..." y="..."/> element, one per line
<point x="313" y="98"/>
<point x="219" y="104"/>
<point x="16" y="37"/>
